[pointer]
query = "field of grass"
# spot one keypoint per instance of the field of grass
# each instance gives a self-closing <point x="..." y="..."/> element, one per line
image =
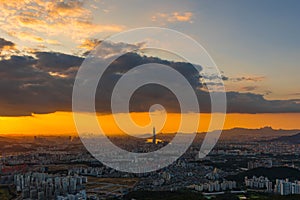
<point x="119" y="181"/>
<point x="109" y="186"/>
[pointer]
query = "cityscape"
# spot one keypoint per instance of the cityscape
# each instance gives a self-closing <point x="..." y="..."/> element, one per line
<point x="241" y="166"/>
<point x="149" y="100"/>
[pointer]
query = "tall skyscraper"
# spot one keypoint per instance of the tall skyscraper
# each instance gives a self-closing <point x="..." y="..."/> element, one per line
<point x="154" y="135"/>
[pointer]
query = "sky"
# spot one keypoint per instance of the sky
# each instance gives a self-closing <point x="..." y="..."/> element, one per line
<point x="255" y="44"/>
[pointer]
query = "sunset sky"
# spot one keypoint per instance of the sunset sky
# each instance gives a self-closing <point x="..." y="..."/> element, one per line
<point x="255" y="44"/>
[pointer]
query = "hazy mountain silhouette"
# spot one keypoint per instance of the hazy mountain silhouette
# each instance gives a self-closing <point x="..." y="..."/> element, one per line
<point x="293" y="139"/>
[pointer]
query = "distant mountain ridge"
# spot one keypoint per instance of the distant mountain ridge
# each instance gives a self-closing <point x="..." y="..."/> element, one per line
<point x="292" y="139"/>
<point x="266" y="129"/>
<point x="260" y="134"/>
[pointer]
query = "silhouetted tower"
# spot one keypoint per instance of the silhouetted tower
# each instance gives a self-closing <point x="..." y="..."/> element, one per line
<point x="154" y="135"/>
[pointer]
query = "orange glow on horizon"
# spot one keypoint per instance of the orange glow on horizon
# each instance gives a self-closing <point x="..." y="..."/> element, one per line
<point x="61" y="123"/>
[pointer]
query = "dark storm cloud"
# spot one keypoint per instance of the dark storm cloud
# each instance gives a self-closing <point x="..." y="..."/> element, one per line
<point x="6" y="44"/>
<point x="26" y="89"/>
<point x="255" y="103"/>
<point x="57" y="62"/>
<point x="148" y="95"/>
<point x="43" y="83"/>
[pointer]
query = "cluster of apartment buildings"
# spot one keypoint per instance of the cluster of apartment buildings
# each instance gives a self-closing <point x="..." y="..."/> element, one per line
<point x="42" y="186"/>
<point x="282" y="187"/>
<point x="216" y="186"/>
<point x="259" y="183"/>
<point x="260" y="163"/>
<point x="285" y="187"/>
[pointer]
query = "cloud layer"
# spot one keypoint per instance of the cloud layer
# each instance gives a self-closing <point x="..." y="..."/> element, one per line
<point x="42" y="82"/>
<point x="32" y="19"/>
<point x="4" y="44"/>
<point x="173" y="17"/>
